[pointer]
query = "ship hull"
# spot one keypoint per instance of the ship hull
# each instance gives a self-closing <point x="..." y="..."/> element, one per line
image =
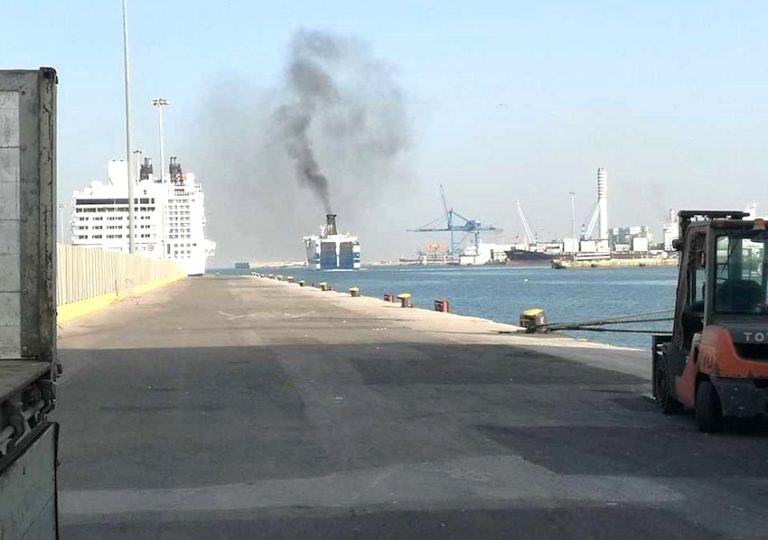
<point x="521" y="257"/>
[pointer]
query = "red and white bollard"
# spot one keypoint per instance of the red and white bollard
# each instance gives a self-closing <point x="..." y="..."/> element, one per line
<point x="442" y="306"/>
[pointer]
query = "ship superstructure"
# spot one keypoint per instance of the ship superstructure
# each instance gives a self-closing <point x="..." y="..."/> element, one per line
<point x="169" y="216"/>
<point x="332" y="250"/>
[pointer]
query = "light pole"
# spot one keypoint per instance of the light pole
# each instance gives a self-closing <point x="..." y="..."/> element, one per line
<point x="126" y="73"/>
<point x="160" y="103"/>
<point x="573" y="224"/>
<point x="61" y="223"/>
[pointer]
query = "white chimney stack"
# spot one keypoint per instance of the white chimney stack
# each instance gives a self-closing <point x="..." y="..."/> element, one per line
<point x="602" y="203"/>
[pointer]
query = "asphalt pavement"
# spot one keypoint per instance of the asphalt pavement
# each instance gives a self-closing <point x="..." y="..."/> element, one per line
<point x="245" y="408"/>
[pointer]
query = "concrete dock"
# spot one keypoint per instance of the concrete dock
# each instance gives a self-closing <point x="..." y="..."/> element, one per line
<point x="249" y="408"/>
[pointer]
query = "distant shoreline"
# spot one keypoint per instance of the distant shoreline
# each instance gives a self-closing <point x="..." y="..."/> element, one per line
<point x="564" y="264"/>
<point x="559" y="264"/>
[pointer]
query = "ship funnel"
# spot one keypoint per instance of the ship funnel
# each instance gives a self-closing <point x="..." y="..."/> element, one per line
<point x="174" y="170"/>
<point x="330" y="225"/>
<point x="146" y="169"/>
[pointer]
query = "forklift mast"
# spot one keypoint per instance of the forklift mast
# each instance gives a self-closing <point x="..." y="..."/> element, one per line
<point x="686" y="217"/>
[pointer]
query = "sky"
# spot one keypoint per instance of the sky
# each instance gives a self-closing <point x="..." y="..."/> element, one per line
<point x="506" y="101"/>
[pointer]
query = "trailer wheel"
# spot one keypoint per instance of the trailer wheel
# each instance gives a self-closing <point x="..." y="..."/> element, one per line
<point x="664" y="399"/>
<point x="709" y="413"/>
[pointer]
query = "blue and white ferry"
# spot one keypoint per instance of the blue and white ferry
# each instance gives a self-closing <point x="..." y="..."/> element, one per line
<point x="332" y="250"/>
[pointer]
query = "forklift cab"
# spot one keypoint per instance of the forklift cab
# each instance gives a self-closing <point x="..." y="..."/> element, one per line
<point x="723" y="278"/>
<point x="716" y="359"/>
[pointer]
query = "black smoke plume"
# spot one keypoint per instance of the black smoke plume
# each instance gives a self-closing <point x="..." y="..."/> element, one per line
<point x="339" y="94"/>
<point x="336" y="121"/>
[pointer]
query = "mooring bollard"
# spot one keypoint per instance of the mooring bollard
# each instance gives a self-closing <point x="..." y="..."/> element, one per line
<point x="442" y="305"/>
<point x="354" y="292"/>
<point x="533" y="320"/>
<point x="289" y="279"/>
<point x="271" y="276"/>
<point x="322" y="286"/>
<point x="389" y="298"/>
<point x="406" y="300"/>
<point x="279" y="277"/>
<point x="302" y="283"/>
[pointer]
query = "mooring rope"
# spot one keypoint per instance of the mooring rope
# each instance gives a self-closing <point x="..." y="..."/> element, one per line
<point x="624" y="330"/>
<point x="589" y="326"/>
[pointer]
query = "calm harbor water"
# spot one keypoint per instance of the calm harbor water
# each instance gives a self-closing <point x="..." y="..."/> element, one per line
<point x="501" y="293"/>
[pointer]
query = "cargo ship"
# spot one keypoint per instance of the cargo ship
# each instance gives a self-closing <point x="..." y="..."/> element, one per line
<point x="524" y="257"/>
<point x="332" y="250"/>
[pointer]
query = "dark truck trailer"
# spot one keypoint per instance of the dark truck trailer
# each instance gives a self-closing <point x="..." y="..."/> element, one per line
<point x="28" y="366"/>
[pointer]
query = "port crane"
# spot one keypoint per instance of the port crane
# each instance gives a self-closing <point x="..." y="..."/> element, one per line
<point x="529" y="235"/>
<point x="587" y="233"/>
<point x="455" y="223"/>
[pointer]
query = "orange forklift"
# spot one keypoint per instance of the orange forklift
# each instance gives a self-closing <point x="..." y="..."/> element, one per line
<point x="716" y="360"/>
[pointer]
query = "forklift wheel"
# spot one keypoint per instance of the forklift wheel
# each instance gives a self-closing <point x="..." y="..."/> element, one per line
<point x="664" y="399"/>
<point x="709" y="414"/>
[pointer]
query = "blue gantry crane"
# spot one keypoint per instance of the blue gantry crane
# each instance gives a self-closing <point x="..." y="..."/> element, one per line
<point x="456" y="223"/>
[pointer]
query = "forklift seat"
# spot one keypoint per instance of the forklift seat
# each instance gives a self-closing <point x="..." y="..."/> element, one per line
<point x="739" y="296"/>
<point x="692" y="322"/>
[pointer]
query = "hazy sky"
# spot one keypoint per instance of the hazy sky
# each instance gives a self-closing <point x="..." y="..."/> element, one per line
<point x="506" y="101"/>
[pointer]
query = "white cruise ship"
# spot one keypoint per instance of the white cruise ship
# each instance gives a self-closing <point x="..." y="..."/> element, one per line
<point x="332" y="250"/>
<point x="169" y="216"/>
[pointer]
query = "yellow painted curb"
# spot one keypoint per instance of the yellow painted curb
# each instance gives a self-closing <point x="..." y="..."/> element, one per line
<point x="67" y="312"/>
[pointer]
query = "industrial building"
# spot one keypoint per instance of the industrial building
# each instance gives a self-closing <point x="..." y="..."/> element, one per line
<point x="634" y="238"/>
<point x="670" y="230"/>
